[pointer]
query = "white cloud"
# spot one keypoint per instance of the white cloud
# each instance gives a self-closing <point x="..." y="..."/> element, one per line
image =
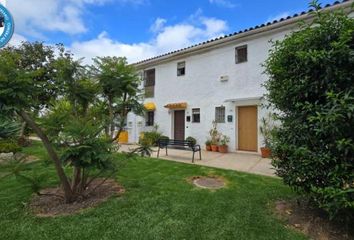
<point x="223" y="3"/>
<point x="17" y="39"/>
<point x="32" y="17"/>
<point x="279" y="16"/>
<point x="158" y="25"/>
<point x="168" y="38"/>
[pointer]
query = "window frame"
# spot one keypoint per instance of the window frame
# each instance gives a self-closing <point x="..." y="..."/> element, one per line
<point x="149" y="82"/>
<point x="193" y="114"/>
<point x="218" y="114"/>
<point x="150" y="119"/>
<point x="179" y="69"/>
<point x="237" y="58"/>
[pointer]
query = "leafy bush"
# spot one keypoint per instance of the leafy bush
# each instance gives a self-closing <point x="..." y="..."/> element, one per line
<point x="144" y="149"/>
<point x="8" y="128"/>
<point x="151" y="137"/>
<point x="163" y="137"/>
<point x="224" y="140"/>
<point x="214" y="134"/>
<point x="310" y="82"/>
<point x="192" y="140"/>
<point x="9" y="146"/>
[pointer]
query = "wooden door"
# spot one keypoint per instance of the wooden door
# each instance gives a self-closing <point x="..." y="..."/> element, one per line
<point x="247" y="128"/>
<point x="179" y="125"/>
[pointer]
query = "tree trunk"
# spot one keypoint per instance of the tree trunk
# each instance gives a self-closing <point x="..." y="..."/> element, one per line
<point x="23" y="129"/>
<point x="123" y="116"/>
<point x="68" y="194"/>
<point x="111" y="118"/>
<point x="76" y="180"/>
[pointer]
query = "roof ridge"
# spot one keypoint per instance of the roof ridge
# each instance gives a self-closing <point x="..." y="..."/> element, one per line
<point x="241" y="31"/>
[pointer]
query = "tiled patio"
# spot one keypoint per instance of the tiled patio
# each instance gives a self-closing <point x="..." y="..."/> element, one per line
<point x="244" y="162"/>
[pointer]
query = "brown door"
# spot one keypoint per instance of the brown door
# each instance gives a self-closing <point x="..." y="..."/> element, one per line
<point x="247" y="128"/>
<point x="179" y="125"/>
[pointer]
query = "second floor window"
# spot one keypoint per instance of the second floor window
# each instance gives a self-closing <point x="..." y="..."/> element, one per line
<point x="241" y="54"/>
<point x="220" y="114"/>
<point x="181" y="68"/>
<point x="149" y="83"/>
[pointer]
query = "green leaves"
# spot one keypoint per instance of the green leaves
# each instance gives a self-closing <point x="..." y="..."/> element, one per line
<point x="310" y="82"/>
<point x="8" y="128"/>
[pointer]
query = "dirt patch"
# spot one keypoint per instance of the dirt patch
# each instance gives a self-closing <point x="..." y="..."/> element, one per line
<point x="312" y="222"/>
<point x="51" y="203"/>
<point x="208" y="182"/>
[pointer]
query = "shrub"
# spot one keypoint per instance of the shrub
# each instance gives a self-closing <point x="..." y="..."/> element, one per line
<point x="150" y="138"/>
<point x="224" y="140"/>
<point x="8" y="128"/>
<point x="163" y="137"/>
<point x="310" y="82"/>
<point x="192" y="140"/>
<point x="9" y="146"/>
<point x="214" y="134"/>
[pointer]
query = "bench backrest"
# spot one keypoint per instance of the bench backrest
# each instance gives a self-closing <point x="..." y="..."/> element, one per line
<point x="173" y="142"/>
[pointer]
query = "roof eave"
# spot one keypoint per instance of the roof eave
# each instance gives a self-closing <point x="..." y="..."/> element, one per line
<point x="287" y="23"/>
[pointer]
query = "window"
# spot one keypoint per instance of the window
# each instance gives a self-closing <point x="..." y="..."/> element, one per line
<point x="149" y="80"/>
<point x="241" y="54"/>
<point x="150" y="118"/>
<point x="181" y="68"/>
<point x="196" y="115"/>
<point x="220" y="114"/>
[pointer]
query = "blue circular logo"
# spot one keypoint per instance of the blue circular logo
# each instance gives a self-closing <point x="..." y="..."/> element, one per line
<point x="6" y="26"/>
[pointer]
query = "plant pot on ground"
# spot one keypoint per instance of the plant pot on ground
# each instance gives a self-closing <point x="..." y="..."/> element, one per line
<point x="214" y="147"/>
<point x="223" y="147"/>
<point x="266" y="129"/>
<point x="265" y="152"/>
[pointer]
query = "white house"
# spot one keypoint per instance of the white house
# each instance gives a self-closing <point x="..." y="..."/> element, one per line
<point x="217" y="80"/>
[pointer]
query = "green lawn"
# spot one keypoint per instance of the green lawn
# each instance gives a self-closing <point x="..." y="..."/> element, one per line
<point x="158" y="204"/>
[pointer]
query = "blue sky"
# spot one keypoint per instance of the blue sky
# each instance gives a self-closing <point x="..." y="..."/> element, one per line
<point x="139" y="29"/>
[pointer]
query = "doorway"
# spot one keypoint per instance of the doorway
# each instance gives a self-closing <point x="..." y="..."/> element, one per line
<point x="247" y="128"/>
<point x="179" y="124"/>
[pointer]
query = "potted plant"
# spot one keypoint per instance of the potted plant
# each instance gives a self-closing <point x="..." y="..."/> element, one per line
<point x="215" y="137"/>
<point x="208" y="145"/>
<point x="192" y="141"/>
<point x="223" y="147"/>
<point x="266" y="129"/>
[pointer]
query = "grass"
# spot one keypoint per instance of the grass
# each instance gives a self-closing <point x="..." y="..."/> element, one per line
<point x="159" y="203"/>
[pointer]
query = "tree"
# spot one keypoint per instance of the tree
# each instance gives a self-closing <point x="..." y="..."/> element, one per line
<point x="310" y="82"/>
<point x="73" y="124"/>
<point x="120" y="90"/>
<point x="28" y="82"/>
<point x="35" y="78"/>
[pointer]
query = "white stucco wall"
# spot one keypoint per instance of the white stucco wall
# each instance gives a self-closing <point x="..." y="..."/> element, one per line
<point x="201" y="88"/>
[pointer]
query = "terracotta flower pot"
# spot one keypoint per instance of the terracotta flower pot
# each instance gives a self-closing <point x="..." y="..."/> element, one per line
<point x="223" y="148"/>
<point x="208" y="147"/>
<point x="265" y="152"/>
<point x="214" y="148"/>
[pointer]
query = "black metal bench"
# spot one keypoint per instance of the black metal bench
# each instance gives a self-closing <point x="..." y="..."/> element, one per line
<point x="179" y="145"/>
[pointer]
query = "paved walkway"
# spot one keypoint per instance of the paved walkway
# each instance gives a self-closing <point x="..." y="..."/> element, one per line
<point x="244" y="162"/>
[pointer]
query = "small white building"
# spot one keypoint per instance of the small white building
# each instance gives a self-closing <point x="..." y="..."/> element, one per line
<point x="220" y="80"/>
